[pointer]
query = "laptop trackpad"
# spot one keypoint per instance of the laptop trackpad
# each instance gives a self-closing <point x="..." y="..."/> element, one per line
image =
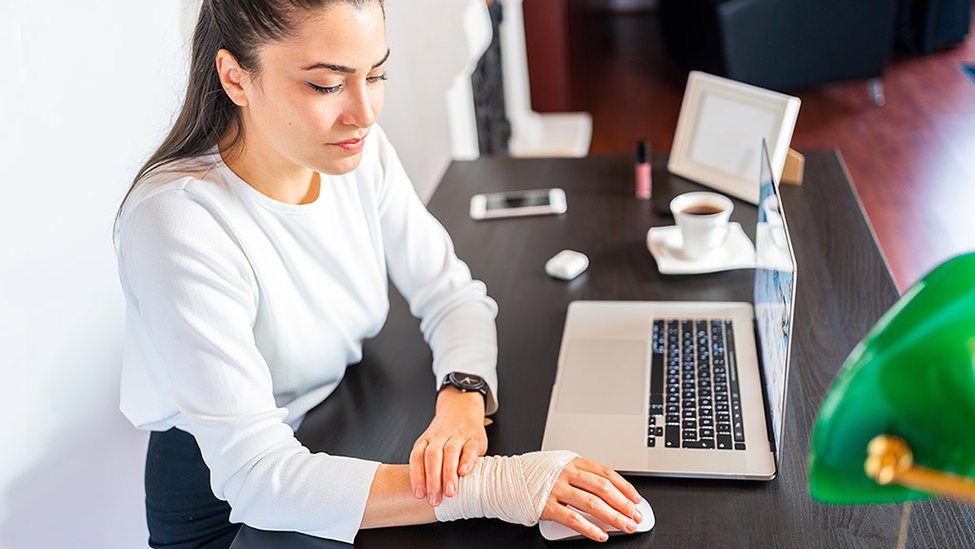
<point x="603" y="377"/>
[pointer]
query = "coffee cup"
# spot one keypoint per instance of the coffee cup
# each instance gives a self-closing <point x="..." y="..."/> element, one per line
<point x="703" y="221"/>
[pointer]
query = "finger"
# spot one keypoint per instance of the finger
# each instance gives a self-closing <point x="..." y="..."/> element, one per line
<point x="621" y="483"/>
<point x="417" y="475"/>
<point x="451" y="457"/>
<point x="607" y="491"/>
<point x="468" y="457"/>
<point x="598" y="507"/>
<point x="567" y="517"/>
<point x="618" y="481"/>
<point x="432" y="464"/>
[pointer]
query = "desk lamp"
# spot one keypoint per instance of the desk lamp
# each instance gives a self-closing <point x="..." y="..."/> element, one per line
<point x="897" y="424"/>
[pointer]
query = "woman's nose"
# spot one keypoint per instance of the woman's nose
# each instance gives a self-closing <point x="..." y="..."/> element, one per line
<point x="362" y="109"/>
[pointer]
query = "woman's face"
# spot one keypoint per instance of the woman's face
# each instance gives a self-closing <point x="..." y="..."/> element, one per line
<point x="319" y="91"/>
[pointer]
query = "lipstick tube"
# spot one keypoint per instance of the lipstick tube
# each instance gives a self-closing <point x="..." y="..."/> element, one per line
<point x="644" y="176"/>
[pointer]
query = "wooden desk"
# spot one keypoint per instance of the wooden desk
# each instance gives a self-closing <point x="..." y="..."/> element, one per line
<point x="843" y="287"/>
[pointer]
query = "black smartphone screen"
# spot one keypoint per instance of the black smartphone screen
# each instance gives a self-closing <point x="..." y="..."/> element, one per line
<point x="501" y="201"/>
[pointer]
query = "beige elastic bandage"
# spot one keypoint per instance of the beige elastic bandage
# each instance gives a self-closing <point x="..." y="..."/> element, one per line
<point x="513" y="489"/>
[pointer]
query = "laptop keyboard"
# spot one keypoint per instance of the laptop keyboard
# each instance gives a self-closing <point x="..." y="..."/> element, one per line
<point x="694" y="386"/>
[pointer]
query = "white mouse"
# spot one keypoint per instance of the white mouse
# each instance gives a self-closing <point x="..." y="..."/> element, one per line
<point x="554" y="531"/>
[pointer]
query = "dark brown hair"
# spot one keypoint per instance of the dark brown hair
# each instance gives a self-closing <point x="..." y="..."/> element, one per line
<point x="242" y="27"/>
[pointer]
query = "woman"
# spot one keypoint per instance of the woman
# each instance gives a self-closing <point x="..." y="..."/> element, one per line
<point x="254" y="249"/>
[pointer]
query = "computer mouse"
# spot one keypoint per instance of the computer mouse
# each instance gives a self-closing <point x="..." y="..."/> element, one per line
<point x="554" y="531"/>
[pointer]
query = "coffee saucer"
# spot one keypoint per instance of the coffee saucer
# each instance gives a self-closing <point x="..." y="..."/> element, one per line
<point x="665" y="244"/>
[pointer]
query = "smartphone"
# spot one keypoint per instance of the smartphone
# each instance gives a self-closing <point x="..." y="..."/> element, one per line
<point x="519" y="203"/>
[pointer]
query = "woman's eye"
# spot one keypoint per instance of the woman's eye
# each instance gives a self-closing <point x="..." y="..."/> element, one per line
<point x="325" y="89"/>
<point x="333" y="89"/>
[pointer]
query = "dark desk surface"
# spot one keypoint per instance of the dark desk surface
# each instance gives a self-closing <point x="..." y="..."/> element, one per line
<point x="843" y="287"/>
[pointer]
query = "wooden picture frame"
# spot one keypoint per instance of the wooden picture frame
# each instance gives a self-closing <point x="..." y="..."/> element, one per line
<point x="720" y="130"/>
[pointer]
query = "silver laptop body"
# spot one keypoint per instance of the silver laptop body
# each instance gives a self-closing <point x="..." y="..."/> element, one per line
<point x="605" y="387"/>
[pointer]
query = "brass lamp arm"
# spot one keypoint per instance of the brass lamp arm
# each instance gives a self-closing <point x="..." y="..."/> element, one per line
<point x="890" y="460"/>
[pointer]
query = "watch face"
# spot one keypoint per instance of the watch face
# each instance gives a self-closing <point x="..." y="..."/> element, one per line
<point x="468" y="382"/>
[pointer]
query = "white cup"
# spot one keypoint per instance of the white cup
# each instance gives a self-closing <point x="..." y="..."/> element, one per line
<point x="703" y="221"/>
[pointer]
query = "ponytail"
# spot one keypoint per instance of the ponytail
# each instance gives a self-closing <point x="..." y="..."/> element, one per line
<point x="207" y="113"/>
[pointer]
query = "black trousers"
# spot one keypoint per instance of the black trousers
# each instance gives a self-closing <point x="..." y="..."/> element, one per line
<point x="181" y="509"/>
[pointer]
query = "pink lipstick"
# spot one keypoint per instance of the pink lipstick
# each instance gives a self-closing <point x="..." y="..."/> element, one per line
<point x="350" y="145"/>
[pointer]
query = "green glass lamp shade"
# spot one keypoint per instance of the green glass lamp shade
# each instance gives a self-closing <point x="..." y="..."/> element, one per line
<point x="913" y="376"/>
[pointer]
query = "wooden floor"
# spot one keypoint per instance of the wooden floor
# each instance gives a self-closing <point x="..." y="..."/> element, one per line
<point x="912" y="161"/>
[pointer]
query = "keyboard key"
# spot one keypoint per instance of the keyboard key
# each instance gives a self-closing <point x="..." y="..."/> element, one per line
<point x="673" y="436"/>
<point x="739" y="446"/>
<point x="688" y="434"/>
<point x="724" y="442"/>
<point x="651" y="442"/>
<point x="707" y="432"/>
<point x="689" y="424"/>
<point x="695" y="444"/>
<point x="674" y="419"/>
<point x="659" y="431"/>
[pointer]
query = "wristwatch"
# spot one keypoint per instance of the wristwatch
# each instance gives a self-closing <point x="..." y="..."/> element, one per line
<point x="466" y="383"/>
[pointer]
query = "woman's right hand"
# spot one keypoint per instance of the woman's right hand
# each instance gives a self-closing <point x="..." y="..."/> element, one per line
<point x="597" y="490"/>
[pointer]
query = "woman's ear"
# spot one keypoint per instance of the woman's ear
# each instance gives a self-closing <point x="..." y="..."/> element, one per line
<point x="231" y="77"/>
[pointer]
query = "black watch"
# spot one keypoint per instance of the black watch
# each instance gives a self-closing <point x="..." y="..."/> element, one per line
<point x="466" y="383"/>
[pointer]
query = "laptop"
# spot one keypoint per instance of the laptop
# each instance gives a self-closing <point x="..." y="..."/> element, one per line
<point x="683" y="389"/>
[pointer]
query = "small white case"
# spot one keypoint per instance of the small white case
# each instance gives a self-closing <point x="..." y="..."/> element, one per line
<point x="567" y="265"/>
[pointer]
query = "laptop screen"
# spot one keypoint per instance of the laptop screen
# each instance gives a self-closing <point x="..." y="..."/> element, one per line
<point x="775" y="286"/>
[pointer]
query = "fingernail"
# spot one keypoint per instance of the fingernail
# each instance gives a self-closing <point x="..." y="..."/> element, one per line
<point x="603" y="536"/>
<point x="637" y="517"/>
<point x="630" y="525"/>
<point x="449" y="490"/>
<point x="434" y="500"/>
<point x="418" y="492"/>
<point x="464" y="468"/>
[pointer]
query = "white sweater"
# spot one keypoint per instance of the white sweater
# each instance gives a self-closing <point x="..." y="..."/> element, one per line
<point x="243" y="313"/>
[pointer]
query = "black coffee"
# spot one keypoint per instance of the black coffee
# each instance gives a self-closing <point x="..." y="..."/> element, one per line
<point x="702" y="209"/>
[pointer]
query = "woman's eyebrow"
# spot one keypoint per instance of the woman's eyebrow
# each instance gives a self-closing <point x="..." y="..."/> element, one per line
<point x="342" y="68"/>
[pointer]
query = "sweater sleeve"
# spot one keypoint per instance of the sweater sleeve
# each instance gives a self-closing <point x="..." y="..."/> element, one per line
<point x="457" y="316"/>
<point x="195" y="297"/>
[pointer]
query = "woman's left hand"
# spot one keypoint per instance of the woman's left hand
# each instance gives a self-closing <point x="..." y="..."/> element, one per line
<point x="449" y="447"/>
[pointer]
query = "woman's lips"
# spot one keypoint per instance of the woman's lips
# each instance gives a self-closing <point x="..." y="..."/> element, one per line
<point x="350" y="145"/>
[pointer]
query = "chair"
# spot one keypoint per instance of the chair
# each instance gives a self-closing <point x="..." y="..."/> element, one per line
<point x="782" y="44"/>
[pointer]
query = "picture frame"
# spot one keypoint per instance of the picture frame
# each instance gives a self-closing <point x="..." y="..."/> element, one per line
<point x="720" y="129"/>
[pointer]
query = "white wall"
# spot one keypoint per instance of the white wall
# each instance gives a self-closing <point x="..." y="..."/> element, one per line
<point x="87" y="90"/>
<point x="429" y="49"/>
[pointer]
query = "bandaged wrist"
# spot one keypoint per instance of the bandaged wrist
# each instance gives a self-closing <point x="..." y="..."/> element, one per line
<point x="513" y="489"/>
